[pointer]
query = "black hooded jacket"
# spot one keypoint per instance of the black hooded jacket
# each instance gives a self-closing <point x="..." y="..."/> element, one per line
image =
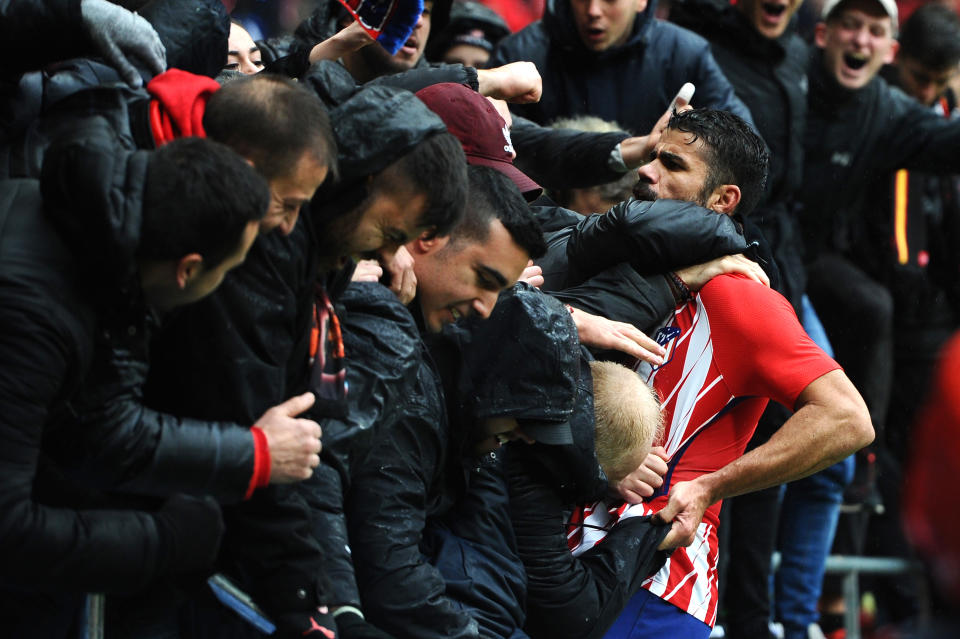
<point x="631" y="84"/>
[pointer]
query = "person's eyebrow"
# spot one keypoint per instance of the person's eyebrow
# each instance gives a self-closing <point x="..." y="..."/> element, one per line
<point x="672" y="158"/>
<point x="494" y="273"/>
<point x="252" y="50"/>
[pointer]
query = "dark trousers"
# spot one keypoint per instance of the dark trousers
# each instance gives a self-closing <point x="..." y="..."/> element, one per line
<point x="857" y="313"/>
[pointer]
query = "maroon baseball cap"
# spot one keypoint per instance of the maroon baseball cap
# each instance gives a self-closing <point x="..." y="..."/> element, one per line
<point x="481" y="130"/>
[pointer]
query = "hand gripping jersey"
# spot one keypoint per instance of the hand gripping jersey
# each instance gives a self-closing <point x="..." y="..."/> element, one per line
<point x="735" y="345"/>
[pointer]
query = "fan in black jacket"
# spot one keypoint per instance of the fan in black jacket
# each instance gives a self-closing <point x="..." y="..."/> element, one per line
<point x="67" y="270"/>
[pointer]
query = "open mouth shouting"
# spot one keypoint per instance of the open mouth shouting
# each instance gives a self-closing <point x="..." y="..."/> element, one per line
<point x="855" y="61"/>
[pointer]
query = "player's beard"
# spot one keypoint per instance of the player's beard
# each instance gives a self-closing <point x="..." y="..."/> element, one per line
<point x="642" y="191"/>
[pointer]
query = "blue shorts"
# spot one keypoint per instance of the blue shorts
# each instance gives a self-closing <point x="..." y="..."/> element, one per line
<point x="648" y="616"/>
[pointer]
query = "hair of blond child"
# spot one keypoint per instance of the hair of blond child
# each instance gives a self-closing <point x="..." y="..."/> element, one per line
<point x="627" y="418"/>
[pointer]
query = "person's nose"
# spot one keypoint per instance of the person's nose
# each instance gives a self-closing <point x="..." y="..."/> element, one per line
<point x="483" y="304"/>
<point x="594" y="8"/>
<point x="247" y="67"/>
<point x="647" y="173"/>
<point x="862" y="37"/>
<point x="289" y="222"/>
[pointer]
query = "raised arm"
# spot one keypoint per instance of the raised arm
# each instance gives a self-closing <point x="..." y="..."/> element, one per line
<point x="831" y="422"/>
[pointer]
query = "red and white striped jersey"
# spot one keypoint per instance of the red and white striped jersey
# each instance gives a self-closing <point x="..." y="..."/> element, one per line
<point x="731" y="348"/>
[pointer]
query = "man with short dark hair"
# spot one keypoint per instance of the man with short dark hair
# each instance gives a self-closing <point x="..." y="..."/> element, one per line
<point x="713" y="396"/>
<point x="75" y="268"/>
<point x="413" y="475"/>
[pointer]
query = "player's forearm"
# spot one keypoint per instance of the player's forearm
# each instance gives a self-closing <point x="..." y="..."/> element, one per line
<point x="831" y="423"/>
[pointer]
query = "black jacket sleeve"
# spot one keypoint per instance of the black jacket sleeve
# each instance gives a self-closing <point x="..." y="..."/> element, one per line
<point x="564" y="158"/>
<point x="653" y="237"/>
<point x="621" y="294"/>
<point x="425" y="75"/>
<point x="129" y="447"/>
<point x="567" y="596"/>
<point x="387" y="510"/>
<point x="40" y="546"/>
<point x="916" y="137"/>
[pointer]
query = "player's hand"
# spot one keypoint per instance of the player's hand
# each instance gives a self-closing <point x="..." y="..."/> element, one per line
<point x="688" y="501"/>
<point x="646" y="479"/>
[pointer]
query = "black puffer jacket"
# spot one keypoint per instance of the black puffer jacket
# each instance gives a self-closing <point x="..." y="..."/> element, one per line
<point x="631" y="84"/>
<point x="48" y="314"/>
<point x="770" y="76"/>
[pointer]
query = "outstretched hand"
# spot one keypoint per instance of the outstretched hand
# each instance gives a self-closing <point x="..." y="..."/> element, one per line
<point x="604" y="334"/>
<point x="636" y="150"/>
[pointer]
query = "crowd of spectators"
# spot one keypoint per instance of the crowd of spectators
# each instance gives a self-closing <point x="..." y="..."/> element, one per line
<point x="426" y="319"/>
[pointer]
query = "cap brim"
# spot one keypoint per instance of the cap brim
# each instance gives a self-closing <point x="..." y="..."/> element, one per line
<point x="530" y="189"/>
<point x="552" y="433"/>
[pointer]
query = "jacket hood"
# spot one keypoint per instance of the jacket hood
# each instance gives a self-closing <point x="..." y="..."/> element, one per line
<point x="374" y="127"/>
<point x="194" y="32"/>
<point x="533" y="372"/>
<point x="559" y="23"/>
<point x="93" y="191"/>
<point x="538" y="375"/>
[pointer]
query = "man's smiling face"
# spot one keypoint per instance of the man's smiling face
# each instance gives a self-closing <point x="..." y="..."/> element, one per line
<point x="857" y="39"/>
<point x="466" y="277"/>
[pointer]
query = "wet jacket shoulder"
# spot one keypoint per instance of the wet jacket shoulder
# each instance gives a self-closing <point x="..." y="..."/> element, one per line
<point x="54" y="103"/>
<point x="384" y="355"/>
<point x="395" y="489"/>
<point x="894" y="131"/>
<point x="632" y="84"/>
<point x="46" y="328"/>
<point x="653" y="237"/>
